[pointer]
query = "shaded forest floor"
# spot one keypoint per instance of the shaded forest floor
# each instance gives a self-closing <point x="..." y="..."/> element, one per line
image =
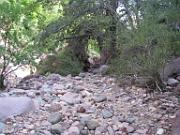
<point x="90" y="105"/>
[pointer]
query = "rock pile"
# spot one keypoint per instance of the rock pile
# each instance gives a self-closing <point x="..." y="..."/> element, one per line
<point x="88" y="105"/>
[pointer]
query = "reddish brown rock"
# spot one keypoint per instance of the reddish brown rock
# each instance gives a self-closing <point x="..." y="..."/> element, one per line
<point x="81" y="110"/>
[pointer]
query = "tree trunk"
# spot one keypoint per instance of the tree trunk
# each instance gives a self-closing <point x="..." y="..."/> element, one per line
<point x="112" y="34"/>
<point x="79" y="48"/>
<point x="2" y="86"/>
<point x="125" y="3"/>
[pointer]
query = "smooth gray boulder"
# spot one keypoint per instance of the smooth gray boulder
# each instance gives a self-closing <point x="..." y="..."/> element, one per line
<point x="172" y="82"/>
<point x="173" y="67"/>
<point x="12" y="106"/>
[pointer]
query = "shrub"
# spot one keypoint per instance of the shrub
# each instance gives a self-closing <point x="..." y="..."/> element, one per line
<point x="63" y="63"/>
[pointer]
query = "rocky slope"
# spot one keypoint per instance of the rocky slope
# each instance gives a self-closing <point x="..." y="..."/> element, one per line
<point x="89" y="105"/>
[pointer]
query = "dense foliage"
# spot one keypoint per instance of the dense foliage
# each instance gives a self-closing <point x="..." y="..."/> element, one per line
<point x="138" y="36"/>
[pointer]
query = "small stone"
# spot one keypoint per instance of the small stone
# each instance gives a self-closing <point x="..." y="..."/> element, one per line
<point x="77" y="78"/>
<point x="107" y="113"/>
<point x="110" y="131"/>
<point x="74" y="131"/>
<point x="83" y="119"/>
<point x="82" y="75"/>
<point x="160" y="131"/>
<point x="84" y="132"/>
<point x="57" y="129"/>
<point x="100" y="98"/>
<point x="54" y="108"/>
<point x="130" y="129"/>
<point x="101" y="129"/>
<point x="142" y="131"/>
<point x="115" y="127"/>
<point x="137" y="134"/>
<point x="55" y="118"/>
<point x="71" y="98"/>
<point x="92" y="124"/>
<point x="130" y="120"/>
<point x="81" y="110"/>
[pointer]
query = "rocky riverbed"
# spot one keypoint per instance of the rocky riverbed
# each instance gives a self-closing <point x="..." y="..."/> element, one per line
<point x="89" y="105"/>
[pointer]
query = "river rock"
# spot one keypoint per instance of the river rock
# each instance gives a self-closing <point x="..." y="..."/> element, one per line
<point x="73" y="131"/>
<point x="107" y="113"/>
<point x="71" y="98"/>
<point x="55" y="118"/>
<point x="160" y="131"/>
<point x="57" y="129"/>
<point x="12" y="106"/>
<point x="100" y="98"/>
<point x="172" y="82"/>
<point x="92" y="124"/>
<point x="84" y="132"/>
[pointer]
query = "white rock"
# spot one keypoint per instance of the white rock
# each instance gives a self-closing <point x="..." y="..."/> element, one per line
<point x="160" y="131"/>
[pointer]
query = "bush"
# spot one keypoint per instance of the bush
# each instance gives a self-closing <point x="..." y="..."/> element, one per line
<point x="144" y="53"/>
<point x="63" y="63"/>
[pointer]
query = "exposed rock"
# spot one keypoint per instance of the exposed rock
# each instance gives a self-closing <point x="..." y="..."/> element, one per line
<point x="73" y="131"/>
<point x="92" y="124"/>
<point x="55" y="107"/>
<point x="111" y="131"/>
<point x="100" y="98"/>
<point x="83" y="119"/>
<point x="172" y="82"/>
<point x="142" y="131"/>
<point x="12" y="106"/>
<point x="101" y="129"/>
<point x="107" y="113"/>
<point x="54" y="118"/>
<point x="130" y="120"/>
<point x="160" y="131"/>
<point x="57" y="129"/>
<point x="81" y="110"/>
<point x="84" y="132"/>
<point x="171" y="68"/>
<point x="71" y="98"/>
<point x="82" y="75"/>
<point x="130" y="129"/>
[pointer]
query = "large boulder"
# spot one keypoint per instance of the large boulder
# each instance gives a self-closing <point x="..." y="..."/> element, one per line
<point x="172" y="68"/>
<point x="12" y="106"/>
